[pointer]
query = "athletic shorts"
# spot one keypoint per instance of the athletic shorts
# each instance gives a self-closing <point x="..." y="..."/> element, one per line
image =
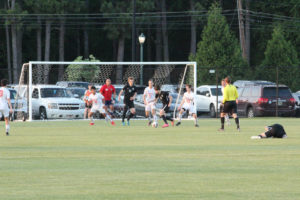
<point x="88" y="106"/>
<point x="97" y="108"/>
<point x="108" y="103"/>
<point x="166" y="108"/>
<point x="189" y="107"/>
<point x="150" y="106"/>
<point x="275" y="133"/>
<point x="129" y="104"/>
<point x="230" y="107"/>
<point x="4" y="112"/>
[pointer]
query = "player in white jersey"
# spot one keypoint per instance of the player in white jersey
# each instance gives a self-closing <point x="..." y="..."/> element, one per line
<point x="97" y="105"/>
<point x="4" y="103"/>
<point x="187" y="104"/>
<point x="149" y="101"/>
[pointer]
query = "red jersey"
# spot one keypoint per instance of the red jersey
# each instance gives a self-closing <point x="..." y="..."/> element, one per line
<point x="107" y="91"/>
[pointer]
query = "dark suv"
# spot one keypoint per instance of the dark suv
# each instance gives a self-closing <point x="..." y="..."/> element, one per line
<point x="260" y="100"/>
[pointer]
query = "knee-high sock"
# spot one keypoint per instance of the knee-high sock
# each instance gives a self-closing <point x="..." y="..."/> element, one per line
<point x="7" y="127"/>
<point x="130" y="116"/>
<point x="222" y="122"/>
<point x="179" y="116"/>
<point x="124" y="113"/>
<point x="164" y="118"/>
<point x="155" y="118"/>
<point x="92" y="118"/>
<point x="195" y="121"/>
<point x="237" y="121"/>
<point x="107" y="117"/>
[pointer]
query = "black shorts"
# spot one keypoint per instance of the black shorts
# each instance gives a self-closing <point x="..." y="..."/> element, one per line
<point x="108" y="103"/>
<point x="230" y="107"/>
<point x="88" y="106"/>
<point x="166" y="108"/>
<point x="129" y="104"/>
<point x="275" y="132"/>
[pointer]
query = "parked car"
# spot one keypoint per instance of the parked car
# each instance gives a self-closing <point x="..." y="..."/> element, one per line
<point x="206" y="99"/>
<point x="73" y="84"/>
<point x="19" y="106"/>
<point x="296" y="95"/>
<point x="243" y="83"/>
<point x="76" y="92"/>
<point x="260" y="100"/>
<point x="54" y="102"/>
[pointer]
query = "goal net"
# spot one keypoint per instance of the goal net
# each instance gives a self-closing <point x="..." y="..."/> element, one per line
<point x="55" y="90"/>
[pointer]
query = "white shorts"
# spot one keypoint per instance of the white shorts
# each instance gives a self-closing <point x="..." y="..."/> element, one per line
<point x="150" y="106"/>
<point x="189" y="107"/>
<point x="4" y="112"/>
<point x="97" y="108"/>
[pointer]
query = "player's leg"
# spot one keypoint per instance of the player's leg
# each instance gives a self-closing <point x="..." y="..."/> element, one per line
<point x="153" y="111"/>
<point x="235" y="116"/>
<point x="147" y="113"/>
<point x="180" y="116"/>
<point x="106" y="116"/>
<point x="225" y="109"/>
<point x="91" y="114"/>
<point x="132" y="112"/>
<point x="6" y="119"/>
<point x="124" y="113"/>
<point x="162" y="115"/>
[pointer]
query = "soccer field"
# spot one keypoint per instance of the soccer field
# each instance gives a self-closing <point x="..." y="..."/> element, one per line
<point x="72" y="160"/>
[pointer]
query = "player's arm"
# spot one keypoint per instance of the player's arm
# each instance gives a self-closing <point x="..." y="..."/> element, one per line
<point x="120" y="94"/>
<point x="133" y="97"/>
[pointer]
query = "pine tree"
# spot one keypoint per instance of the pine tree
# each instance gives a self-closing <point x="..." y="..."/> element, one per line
<point x="218" y="49"/>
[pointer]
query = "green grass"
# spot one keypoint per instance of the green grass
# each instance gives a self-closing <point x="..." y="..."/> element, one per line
<point x="72" y="160"/>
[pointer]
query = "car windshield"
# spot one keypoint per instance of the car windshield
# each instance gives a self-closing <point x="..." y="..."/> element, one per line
<point x="79" y="92"/>
<point x="54" y="93"/>
<point x="214" y="91"/>
<point x="13" y="94"/>
<point x="271" y="92"/>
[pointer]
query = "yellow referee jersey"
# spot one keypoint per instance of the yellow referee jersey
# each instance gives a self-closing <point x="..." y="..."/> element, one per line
<point x="230" y="93"/>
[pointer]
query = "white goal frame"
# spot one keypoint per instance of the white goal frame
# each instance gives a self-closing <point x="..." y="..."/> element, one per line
<point x="31" y="63"/>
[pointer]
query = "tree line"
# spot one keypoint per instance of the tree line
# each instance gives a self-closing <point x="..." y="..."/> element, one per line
<point x="248" y="39"/>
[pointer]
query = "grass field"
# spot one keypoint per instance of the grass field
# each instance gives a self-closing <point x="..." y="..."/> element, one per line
<point x="72" y="160"/>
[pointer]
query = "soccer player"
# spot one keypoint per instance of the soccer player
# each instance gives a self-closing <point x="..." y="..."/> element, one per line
<point x="166" y="100"/>
<point x="107" y="90"/>
<point x="187" y="104"/>
<point x="223" y="84"/>
<point x="149" y="101"/>
<point x="97" y="105"/>
<point x="130" y="92"/>
<point x="88" y="104"/>
<point x="273" y="131"/>
<point x="230" y="101"/>
<point x="4" y="103"/>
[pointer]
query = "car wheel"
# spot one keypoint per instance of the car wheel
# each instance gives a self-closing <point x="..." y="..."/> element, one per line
<point x="43" y="113"/>
<point x="250" y="112"/>
<point x="212" y="110"/>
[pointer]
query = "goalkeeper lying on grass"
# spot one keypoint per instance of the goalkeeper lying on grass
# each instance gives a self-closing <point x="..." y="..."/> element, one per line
<point x="273" y="131"/>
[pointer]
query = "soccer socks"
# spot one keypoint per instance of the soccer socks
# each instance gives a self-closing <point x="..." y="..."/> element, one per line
<point x="165" y="119"/>
<point x="237" y="121"/>
<point x="130" y="116"/>
<point x="155" y="118"/>
<point x="169" y="118"/>
<point x="92" y="119"/>
<point x="124" y="114"/>
<point x="222" y="122"/>
<point x="195" y="121"/>
<point x="179" y="116"/>
<point x="7" y="128"/>
<point x="108" y="117"/>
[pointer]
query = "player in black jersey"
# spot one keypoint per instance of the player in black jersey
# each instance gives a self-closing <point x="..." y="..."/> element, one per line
<point x="166" y="100"/>
<point x="130" y="92"/>
<point x="273" y="131"/>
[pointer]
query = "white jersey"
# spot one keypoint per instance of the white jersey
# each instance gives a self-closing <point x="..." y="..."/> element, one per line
<point x="4" y="96"/>
<point x="189" y="98"/>
<point x="149" y="94"/>
<point x="96" y="99"/>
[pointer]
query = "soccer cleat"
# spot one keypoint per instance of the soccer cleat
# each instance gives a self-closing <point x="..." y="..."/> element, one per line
<point x="178" y="123"/>
<point x="221" y="130"/>
<point x="7" y="133"/>
<point x="196" y="125"/>
<point x="165" y="125"/>
<point x="172" y="123"/>
<point x="123" y="123"/>
<point x="92" y="123"/>
<point x="113" y="123"/>
<point x="149" y="123"/>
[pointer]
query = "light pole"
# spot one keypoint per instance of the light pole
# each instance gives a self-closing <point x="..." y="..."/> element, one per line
<point x="142" y="39"/>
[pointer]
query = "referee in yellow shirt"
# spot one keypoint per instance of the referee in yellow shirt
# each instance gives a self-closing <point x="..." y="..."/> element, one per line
<point x="230" y="101"/>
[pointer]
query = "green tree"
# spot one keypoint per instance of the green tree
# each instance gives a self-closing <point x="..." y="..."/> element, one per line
<point x="219" y="49"/>
<point x="282" y="54"/>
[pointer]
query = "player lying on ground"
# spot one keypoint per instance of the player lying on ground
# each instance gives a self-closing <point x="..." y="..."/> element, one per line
<point x="166" y="100"/>
<point x="149" y="101"/>
<point x="88" y="104"/>
<point x="223" y="84"/>
<point x="4" y="103"/>
<point x="230" y="97"/>
<point x="98" y="105"/>
<point x="107" y="90"/>
<point x="273" y="131"/>
<point x="187" y="105"/>
<point x="129" y="96"/>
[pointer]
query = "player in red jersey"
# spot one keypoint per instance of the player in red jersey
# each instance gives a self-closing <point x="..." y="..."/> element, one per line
<point x="107" y="90"/>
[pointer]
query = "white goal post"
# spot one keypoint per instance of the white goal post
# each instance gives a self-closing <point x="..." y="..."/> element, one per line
<point x="163" y="73"/>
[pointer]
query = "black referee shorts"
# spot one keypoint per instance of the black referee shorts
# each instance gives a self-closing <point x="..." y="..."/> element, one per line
<point x="230" y="107"/>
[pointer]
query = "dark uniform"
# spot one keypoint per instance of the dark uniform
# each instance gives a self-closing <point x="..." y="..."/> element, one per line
<point x="129" y="92"/>
<point x="276" y="131"/>
<point x="165" y="100"/>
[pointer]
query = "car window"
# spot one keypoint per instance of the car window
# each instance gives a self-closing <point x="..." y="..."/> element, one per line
<point x="247" y="92"/>
<point x="271" y="92"/>
<point x="54" y="93"/>
<point x="240" y="91"/>
<point x="203" y="91"/>
<point x="256" y="91"/>
<point x="13" y="94"/>
<point x="214" y="91"/>
<point x="35" y="93"/>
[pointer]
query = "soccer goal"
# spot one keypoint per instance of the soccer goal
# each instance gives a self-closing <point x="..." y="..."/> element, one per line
<point x="54" y="90"/>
